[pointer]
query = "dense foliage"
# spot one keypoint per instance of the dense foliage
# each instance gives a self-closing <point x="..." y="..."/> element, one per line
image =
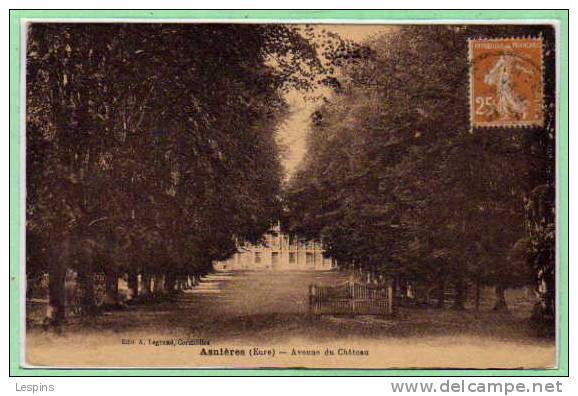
<point x="395" y="180"/>
<point x="151" y="153"/>
<point x="150" y="147"/>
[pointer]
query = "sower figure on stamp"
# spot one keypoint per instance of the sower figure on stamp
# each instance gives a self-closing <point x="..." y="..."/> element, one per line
<point x="509" y="103"/>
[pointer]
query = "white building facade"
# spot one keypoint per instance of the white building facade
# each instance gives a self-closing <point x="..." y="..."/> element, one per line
<point x="278" y="253"/>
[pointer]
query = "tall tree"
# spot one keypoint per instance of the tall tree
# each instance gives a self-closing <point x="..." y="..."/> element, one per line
<point x="395" y="179"/>
<point x="151" y="147"/>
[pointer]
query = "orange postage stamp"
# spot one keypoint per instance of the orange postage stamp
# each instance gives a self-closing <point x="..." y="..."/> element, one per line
<point x="506" y="82"/>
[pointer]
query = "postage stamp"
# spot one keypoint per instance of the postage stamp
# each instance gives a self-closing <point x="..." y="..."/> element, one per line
<point x="251" y="196"/>
<point x="506" y="82"/>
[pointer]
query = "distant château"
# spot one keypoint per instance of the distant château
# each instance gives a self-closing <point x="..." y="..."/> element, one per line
<point x="278" y="252"/>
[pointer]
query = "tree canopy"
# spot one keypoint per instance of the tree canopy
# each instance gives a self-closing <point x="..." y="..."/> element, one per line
<point x="395" y="180"/>
<point x="150" y="147"/>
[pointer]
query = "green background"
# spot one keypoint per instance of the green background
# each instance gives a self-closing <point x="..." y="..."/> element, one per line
<point x="348" y="16"/>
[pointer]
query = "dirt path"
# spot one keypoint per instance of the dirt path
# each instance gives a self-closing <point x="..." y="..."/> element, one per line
<point x="267" y="310"/>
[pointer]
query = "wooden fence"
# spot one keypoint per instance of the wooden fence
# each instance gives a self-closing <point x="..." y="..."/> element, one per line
<point x="352" y="298"/>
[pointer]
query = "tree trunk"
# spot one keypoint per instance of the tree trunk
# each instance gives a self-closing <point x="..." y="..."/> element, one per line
<point x="55" y="311"/>
<point x="30" y="285"/>
<point x="441" y="293"/>
<point x="170" y="281"/>
<point x="133" y="284"/>
<point x="86" y="284"/>
<point x="545" y="308"/>
<point x="500" y="304"/>
<point x="460" y="296"/>
<point x="146" y="284"/>
<point x="158" y="284"/>
<point x="395" y="289"/>
<point x="549" y="294"/>
<point x="112" y="296"/>
<point x="478" y="293"/>
<point x="550" y="297"/>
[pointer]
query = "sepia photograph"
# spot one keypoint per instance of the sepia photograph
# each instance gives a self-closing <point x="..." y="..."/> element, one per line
<point x="289" y="195"/>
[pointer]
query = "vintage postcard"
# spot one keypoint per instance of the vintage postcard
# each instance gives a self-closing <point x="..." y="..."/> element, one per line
<point x="335" y="195"/>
